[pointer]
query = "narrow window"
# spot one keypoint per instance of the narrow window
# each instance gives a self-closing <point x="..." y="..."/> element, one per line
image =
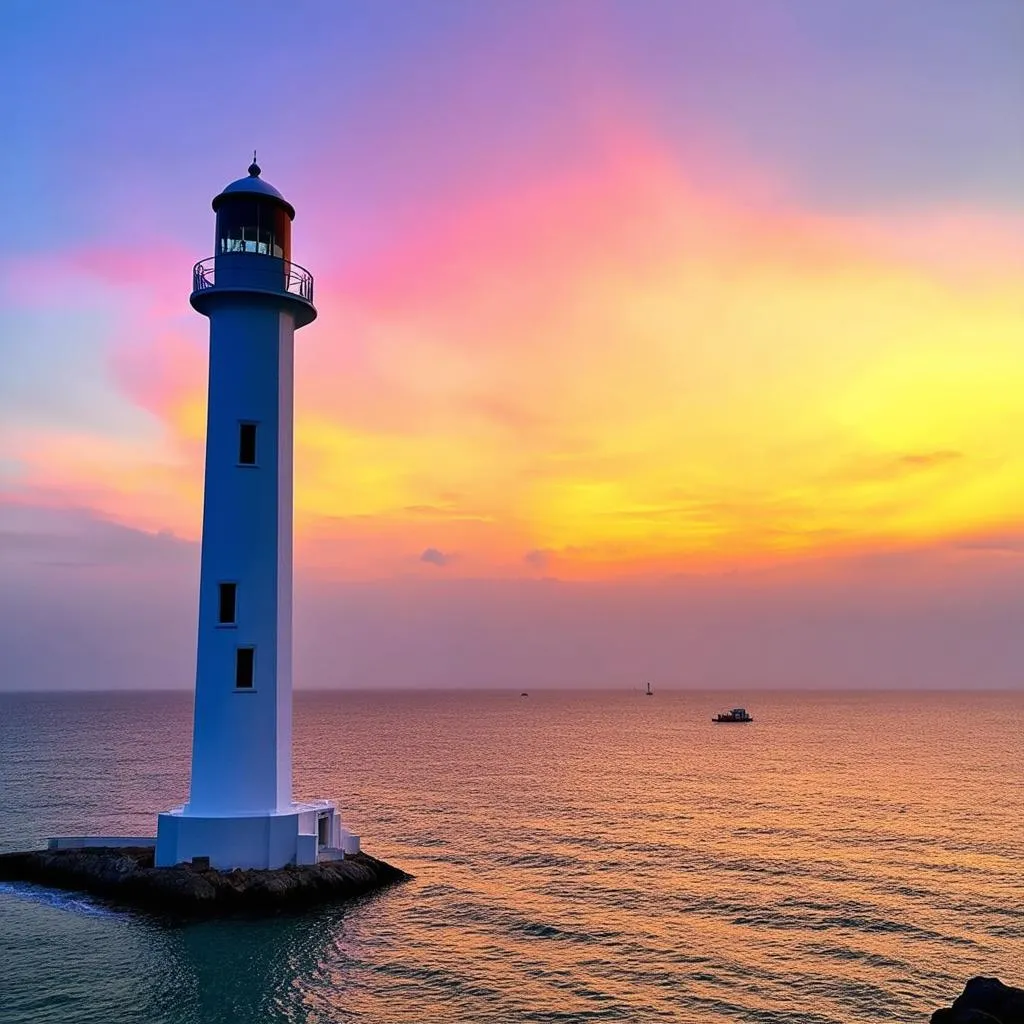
<point x="227" y="593"/>
<point x="245" y="662"/>
<point x="247" y="444"/>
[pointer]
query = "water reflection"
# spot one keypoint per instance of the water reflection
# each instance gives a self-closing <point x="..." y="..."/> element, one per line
<point x="250" y="970"/>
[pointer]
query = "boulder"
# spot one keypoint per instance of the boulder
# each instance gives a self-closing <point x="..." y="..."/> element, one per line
<point x="984" y="1001"/>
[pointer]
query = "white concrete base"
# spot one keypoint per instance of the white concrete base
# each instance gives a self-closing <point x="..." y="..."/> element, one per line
<point x="263" y="841"/>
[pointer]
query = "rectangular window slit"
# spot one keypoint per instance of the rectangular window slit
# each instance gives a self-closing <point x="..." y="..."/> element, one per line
<point x="245" y="663"/>
<point x="227" y="594"/>
<point x="247" y="444"/>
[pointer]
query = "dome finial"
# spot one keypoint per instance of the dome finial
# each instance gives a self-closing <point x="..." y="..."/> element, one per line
<point x="254" y="168"/>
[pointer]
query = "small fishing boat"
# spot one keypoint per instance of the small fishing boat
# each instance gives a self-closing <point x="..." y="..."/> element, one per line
<point x="650" y="692"/>
<point x="736" y="715"/>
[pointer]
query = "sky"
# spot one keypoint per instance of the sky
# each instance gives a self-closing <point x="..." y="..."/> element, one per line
<point x="657" y="338"/>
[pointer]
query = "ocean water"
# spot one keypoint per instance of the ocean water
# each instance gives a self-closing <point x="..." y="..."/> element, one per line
<point x="579" y="856"/>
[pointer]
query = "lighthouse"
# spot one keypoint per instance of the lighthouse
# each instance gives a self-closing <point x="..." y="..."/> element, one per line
<point x="240" y="812"/>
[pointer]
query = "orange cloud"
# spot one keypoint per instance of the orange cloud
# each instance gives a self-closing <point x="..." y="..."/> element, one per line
<point x="622" y="372"/>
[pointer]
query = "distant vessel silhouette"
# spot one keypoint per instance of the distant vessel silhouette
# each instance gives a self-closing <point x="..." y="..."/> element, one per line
<point x="650" y="692"/>
<point x="736" y="715"/>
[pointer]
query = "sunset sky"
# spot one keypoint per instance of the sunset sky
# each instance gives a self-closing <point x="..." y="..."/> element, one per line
<point x="657" y="337"/>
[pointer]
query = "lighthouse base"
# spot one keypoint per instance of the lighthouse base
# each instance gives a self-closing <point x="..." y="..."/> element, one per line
<point x="304" y="834"/>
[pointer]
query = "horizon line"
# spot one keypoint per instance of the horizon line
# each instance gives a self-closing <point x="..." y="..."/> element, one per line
<point x="638" y="688"/>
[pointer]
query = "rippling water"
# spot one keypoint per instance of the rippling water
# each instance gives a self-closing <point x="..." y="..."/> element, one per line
<point x="578" y="857"/>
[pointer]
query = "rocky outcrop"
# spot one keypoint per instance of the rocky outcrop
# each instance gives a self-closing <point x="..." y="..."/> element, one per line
<point x="984" y="1001"/>
<point x="127" y="876"/>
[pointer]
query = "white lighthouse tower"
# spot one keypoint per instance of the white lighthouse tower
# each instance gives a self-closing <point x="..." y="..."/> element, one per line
<point x="240" y="811"/>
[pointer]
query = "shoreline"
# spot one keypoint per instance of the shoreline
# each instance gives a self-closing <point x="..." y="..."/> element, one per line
<point x="126" y="876"/>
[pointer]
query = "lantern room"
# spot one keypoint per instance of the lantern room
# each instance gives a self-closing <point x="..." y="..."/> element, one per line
<point x="253" y="217"/>
<point x="252" y="250"/>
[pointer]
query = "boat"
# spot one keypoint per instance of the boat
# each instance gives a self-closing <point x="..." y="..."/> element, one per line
<point x="650" y="692"/>
<point x="736" y="715"/>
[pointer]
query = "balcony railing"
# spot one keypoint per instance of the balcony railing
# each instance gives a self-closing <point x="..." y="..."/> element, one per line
<point x="251" y="270"/>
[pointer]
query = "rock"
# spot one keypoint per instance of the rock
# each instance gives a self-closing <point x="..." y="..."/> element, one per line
<point x="984" y="1001"/>
<point x="127" y="876"/>
<point x="963" y="1017"/>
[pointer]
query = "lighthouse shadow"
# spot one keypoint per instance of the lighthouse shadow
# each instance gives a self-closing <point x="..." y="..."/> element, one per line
<point x="257" y="969"/>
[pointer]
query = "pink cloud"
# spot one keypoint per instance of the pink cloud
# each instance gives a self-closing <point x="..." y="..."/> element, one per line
<point x="534" y="349"/>
<point x="162" y="376"/>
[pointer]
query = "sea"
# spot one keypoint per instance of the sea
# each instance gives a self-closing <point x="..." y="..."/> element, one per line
<point x="578" y="856"/>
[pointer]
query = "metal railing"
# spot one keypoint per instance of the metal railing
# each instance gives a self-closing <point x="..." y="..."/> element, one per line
<point x="242" y="270"/>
